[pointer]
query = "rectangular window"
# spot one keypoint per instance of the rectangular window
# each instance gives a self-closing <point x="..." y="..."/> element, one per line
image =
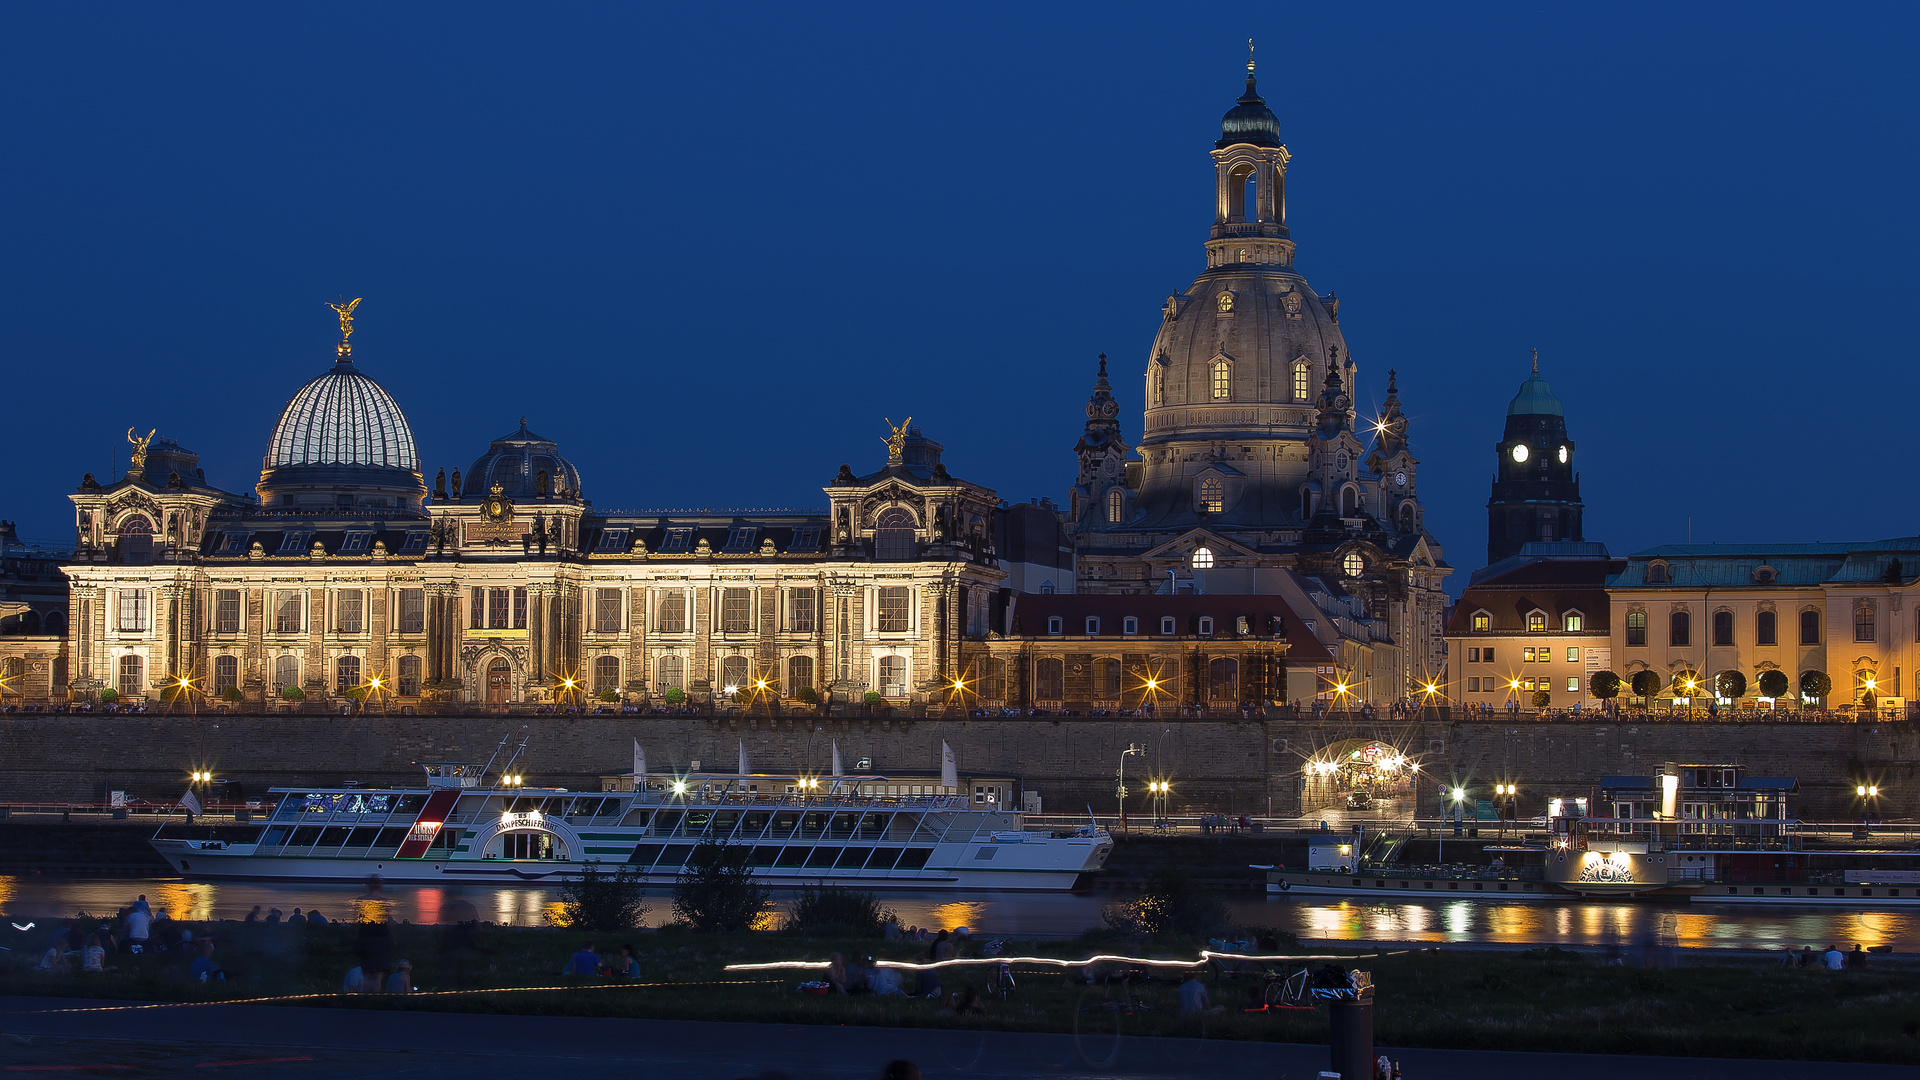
<point x="520" y="608"/>
<point x="226" y="674"/>
<point x="1863" y="623"/>
<point x="1473" y="685"/>
<point x="497" y="610"/>
<point x="673" y="612"/>
<point x="800" y="617"/>
<point x="1473" y="656"/>
<point x="1130" y="625"/>
<point x="1636" y="628"/>
<point x="1763" y="629"/>
<point x="677" y="542"/>
<point x="477" y="610"/>
<point x="1166" y="624"/>
<point x="1809" y="628"/>
<point x="233" y="543"/>
<point x="226" y="611"/>
<point x="1680" y="629"/>
<point x="288" y="610"/>
<point x="347" y="609"/>
<point x="1573" y="655"/>
<point x="1527" y="655"/>
<point x="740" y="540"/>
<point x="736" y="610"/>
<point x="1093" y="626"/>
<point x="892" y="616"/>
<point x="606" y="611"/>
<point x="804" y="540"/>
<point x="1723" y="628"/>
<point x="1573" y="684"/>
<point x="413" y="611"/>
<point x="612" y="542"/>
<point x="1482" y="622"/>
<point x="356" y="543"/>
<point x="416" y="542"/>
<point x="1575" y="622"/>
<point x="1301" y="390"/>
<point x="1486" y="654"/>
<point x="296" y="542"/>
<point x="133" y="609"/>
<point x="409" y="676"/>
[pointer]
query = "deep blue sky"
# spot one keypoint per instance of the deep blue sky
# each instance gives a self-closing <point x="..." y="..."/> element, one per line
<point x="708" y="252"/>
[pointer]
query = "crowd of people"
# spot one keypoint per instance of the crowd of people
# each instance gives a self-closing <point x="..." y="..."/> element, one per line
<point x="1831" y="960"/>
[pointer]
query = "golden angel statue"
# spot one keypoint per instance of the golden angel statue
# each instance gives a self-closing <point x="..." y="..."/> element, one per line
<point x="896" y="442"/>
<point x="345" y="311"/>
<point x="140" y="449"/>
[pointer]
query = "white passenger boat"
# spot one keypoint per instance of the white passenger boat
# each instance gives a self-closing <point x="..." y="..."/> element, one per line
<point x="799" y="832"/>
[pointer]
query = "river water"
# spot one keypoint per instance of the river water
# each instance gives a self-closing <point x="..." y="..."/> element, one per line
<point x="1568" y="922"/>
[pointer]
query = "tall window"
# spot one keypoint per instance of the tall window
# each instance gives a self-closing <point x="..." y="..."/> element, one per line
<point x="288" y="608"/>
<point x="800" y="611"/>
<point x="499" y="608"/>
<point x="1300" y="387"/>
<point x="1222" y="380"/>
<point x="413" y="611"/>
<point x="1680" y="629"/>
<point x="477" y="610"/>
<point x="1112" y="682"/>
<point x="606" y="611"/>
<point x="993" y="682"/>
<point x="1223" y="679"/>
<point x="1116" y="506"/>
<point x="1763" y="629"/>
<point x="286" y="672"/>
<point x="133" y="609"/>
<point x="1863" y="623"/>
<point x="736" y="610"/>
<point x="673" y="672"/>
<point x="799" y="673"/>
<point x="1049" y="679"/>
<point x="893" y="536"/>
<point x="733" y="671"/>
<point x="1809" y="628"/>
<point x="409" y="676"/>
<point x="893" y="676"/>
<point x="1636" y="628"/>
<point x="347" y="608"/>
<point x="131" y="684"/>
<point x="520" y="608"/>
<point x="226" y="611"/>
<point x="892" y="618"/>
<point x="673" y="612"/>
<point x="606" y="674"/>
<point x="136" y="540"/>
<point x="346" y="673"/>
<point x="1213" y="495"/>
<point x="1723" y="628"/>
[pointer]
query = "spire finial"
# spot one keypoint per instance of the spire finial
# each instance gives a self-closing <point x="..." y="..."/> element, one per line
<point x="1536" y="359"/>
<point x="1249" y="56"/>
<point x="345" y="311"/>
<point x="1103" y="365"/>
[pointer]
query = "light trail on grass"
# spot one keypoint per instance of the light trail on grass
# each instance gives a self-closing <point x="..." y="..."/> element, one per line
<point x="410" y="994"/>
<point x="1206" y="956"/>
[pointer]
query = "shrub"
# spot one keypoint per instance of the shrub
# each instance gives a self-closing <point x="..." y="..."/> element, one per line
<point x="716" y="890"/>
<point x="1774" y="683"/>
<point x="674" y="695"/>
<point x="1730" y="684"/>
<point x="293" y="693"/>
<point x="873" y="697"/>
<point x="807" y="696"/>
<point x="1605" y="685"/>
<point x="231" y="693"/>
<point x="1815" y="684"/>
<point x="609" y="694"/>
<point x="1646" y="683"/>
<point x="1542" y="698"/>
<point x="1172" y="903"/>
<point x="601" y="902"/>
<point x="109" y="695"/>
<point x="839" y="911"/>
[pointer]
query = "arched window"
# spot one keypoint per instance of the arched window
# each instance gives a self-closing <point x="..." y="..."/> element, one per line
<point x="1406" y="517"/>
<point x="733" y="672"/>
<point x="1116" y="505"/>
<point x="286" y="672"/>
<point x="1222" y="380"/>
<point x="1657" y="574"/>
<point x="136" y="540"/>
<point x="606" y="673"/>
<point x="409" y="676"/>
<point x="799" y="674"/>
<point x="673" y="672"/>
<point x="1353" y="564"/>
<point x="1763" y="629"/>
<point x="1810" y="628"/>
<point x="1112" y="681"/>
<point x="1223" y="679"/>
<point x="1049" y="679"/>
<point x="1301" y="379"/>
<point x="1636" y="628"/>
<point x="893" y="676"/>
<point x="1863" y="623"/>
<point x="131" y="683"/>
<point x="346" y="674"/>
<point x="1680" y="629"/>
<point x="226" y="674"/>
<point x="56" y="623"/>
<point x="1723" y="628"/>
<point x="1349" y="501"/>
<point x="893" y="536"/>
<point x="1306" y="503"/>
<point x="1159" y="386"/>
<point x="1213" y="495"/>
<point x="1202" y="558"/>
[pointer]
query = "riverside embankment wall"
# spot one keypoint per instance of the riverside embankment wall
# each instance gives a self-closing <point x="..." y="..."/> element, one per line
<point x="1228" y="765"/>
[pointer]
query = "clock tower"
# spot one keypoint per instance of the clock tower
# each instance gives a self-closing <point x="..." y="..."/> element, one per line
<point x="1536" y="492"/>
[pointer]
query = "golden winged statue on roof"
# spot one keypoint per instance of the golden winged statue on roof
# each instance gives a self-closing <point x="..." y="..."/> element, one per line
<point x="345" y="311"/>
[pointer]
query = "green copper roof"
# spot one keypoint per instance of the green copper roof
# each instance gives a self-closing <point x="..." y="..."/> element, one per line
<point x="1535" y="399"/>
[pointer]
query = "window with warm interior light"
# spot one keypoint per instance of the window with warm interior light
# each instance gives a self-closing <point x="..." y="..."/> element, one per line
<point x="1301" y="392"/>
<point x="1482" y="622"/>
<point x="1536" y="622"/>
<point x="1213" y="494"/>
<point x="1116" y="506"/>
<point x="1202" y="558"/>
<point x="1574" y="622"/>
<point x="1222" y="380"/>
<point x="1354" y="564"/>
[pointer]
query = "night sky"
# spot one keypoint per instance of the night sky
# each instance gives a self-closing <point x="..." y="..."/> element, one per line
<point x="708" y="252"/>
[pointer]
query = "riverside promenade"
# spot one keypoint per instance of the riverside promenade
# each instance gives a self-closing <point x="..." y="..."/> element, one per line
<point x="60" y="1035"/>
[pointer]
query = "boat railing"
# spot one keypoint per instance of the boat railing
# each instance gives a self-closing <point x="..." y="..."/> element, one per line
<point x="1445" y="872"/>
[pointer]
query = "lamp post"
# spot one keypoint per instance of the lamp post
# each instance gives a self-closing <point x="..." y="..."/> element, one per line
<point x="1120" y="790"/>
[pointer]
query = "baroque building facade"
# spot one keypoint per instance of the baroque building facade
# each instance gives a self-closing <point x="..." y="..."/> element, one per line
<point x="345" y="576"/>
<point x="1253" y="467"/>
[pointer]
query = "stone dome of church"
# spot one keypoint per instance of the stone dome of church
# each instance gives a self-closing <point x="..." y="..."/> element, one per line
<point x="341" y="441"/>
<point x="1249" y="121"/>
<point x="516" y="462"/>
<point x="1535" y="399"/>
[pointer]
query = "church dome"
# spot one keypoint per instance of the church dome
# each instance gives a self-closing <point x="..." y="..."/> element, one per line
<point x="341" y="442"/>
<point x="1249" y="121"/>
<point x="1535" y="399"/>
<point x="516" y="462"/>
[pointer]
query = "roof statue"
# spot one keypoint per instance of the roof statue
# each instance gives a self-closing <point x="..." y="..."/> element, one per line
<point x="345" y="311"/>
<point x="896" y="442"/>
<point x="140" y="449"/>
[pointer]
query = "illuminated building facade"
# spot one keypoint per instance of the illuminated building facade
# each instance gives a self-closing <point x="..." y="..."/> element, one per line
<point x="346" y="577"/>
<point x="1254" y="462"/>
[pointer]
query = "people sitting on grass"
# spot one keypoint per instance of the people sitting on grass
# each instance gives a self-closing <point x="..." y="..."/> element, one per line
<point x="886" y="982"/>
<point x="626" y="965"/>
<point x="836" y="976"/>
<point x="296" y="919"/>
<point x="585" y="964"/>
<point x="964" y="1003"/>
<point x="355" y="982"/>
<point x="401" y="981"/>
<point x="315" y="918"/>
<point x="1833" y="959"/>
<point x="204" y="969"/>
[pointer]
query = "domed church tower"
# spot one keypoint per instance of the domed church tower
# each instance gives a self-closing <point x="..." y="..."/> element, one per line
<point x="1536" y="492"/>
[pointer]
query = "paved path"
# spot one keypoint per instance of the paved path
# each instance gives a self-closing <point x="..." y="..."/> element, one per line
<point x="279" y="1043"/>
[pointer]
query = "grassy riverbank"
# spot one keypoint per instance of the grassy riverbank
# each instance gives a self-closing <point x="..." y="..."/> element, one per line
<point x="1539" y="1000"/>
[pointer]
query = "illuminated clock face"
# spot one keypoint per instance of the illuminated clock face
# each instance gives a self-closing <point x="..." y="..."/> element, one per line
<point x="1400" y="479"/>
<point x="1519" y="451"/>
<point x="1563" y="455"/>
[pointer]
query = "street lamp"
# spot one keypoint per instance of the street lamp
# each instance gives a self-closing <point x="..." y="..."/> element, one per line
<point x="1120" y="790"/>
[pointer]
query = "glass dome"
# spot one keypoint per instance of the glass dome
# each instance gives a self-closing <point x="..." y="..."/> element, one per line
<point x="342" y="418"/>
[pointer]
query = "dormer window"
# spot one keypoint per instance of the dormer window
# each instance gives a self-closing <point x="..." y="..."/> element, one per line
<point x="1536" y="622"/>
<point x="235" y="543"/>
<point x="676" y="542"/>
<point x="356" y="543"/>
<point x="612" y="541"/>
<point x="416" y="542"/>
<point x="1574" y="622"/>
<point x="1093" y="626"/>
<point x="1206" y="626"/>
<point x="1241" y="625"/>
<point x="1658" y="573"/>
<point x="1482" y="622"/>
<point x="740" y="541"/>
<point x="295" y="541"/>
<point x="1130" y="625"/>
<point x="807" y="539"/>
<point x="1056" y="625"/>
<point x="1765" y="575"/>
<point x="1166" y="625"/>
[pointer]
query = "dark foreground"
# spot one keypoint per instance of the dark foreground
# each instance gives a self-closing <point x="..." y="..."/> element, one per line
<point x="136" y="1039"/>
